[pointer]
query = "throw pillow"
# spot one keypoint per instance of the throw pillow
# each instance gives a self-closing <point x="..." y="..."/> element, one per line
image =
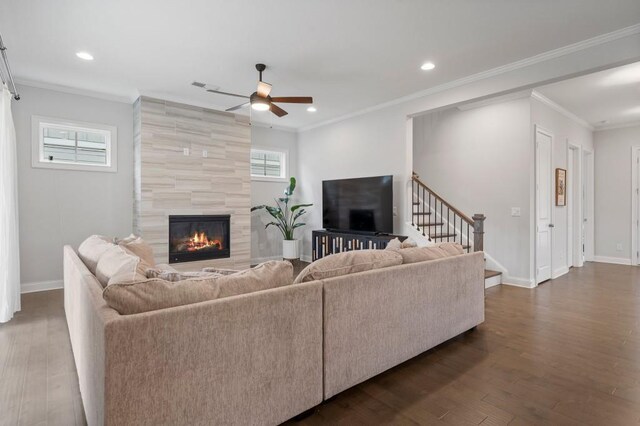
<point x="139" y="247"/>
<point x="396" y="244"/>
<point x="92" y="249"/>
<point x="350" y="262"/>
<point x="121" y="263"/>
<point x="153" y="294"/>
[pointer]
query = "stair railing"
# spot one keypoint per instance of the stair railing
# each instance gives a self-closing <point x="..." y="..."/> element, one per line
<point x="430" y="211"/>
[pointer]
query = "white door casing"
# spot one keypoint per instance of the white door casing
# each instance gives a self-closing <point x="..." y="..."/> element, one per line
<point x="635" y="203"/>
<point x="544" y="222"/>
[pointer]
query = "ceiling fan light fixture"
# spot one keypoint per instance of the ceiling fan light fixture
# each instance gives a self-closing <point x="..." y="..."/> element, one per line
<point x="260" y="106"/>
<point x="312" y="109"/>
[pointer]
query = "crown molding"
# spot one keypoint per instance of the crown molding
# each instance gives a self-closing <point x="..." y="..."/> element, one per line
<point x="522" y="94"/>
<point x="614" y="126"/>
<point x="75" y="91"/>
<point x="562" y="110"/>
<point x="542" y="57"/>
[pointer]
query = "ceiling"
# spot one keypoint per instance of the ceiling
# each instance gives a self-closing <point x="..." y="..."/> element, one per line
<point x="603" y="99"/>
<point x="348" y="55"/>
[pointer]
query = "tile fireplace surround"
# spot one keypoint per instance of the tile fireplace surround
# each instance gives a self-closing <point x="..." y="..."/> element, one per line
<point x="191" y="161"/>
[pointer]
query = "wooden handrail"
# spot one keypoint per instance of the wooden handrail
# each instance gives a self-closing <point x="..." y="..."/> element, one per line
<point x="464" y="217"/>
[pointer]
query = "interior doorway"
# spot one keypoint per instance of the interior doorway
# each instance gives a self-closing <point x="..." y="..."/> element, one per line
<point x="544" y="221"/>
<point x="575" y="253"/>
<point x="586" y="232"/>
<point x="635" y="202"/>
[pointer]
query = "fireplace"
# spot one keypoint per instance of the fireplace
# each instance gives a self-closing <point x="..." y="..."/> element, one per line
<point x="198" y="237"/>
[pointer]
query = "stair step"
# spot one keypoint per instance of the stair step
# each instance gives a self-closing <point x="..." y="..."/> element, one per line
<point x="466" y="247"/>
<point x="432" y="224"/>
<point x="422" y="213"/>
<point x="416" y="203"/>
<point x="488" y="273"/>
<point x="441" y="236"/>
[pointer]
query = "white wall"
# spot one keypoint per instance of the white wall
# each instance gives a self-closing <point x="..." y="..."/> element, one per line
<point x="267" y="243"/>
<point x="565" y="130"/>
<point x="613" y="191"/>
<point x="59" y="207"/>
<point x="479" y="160"/>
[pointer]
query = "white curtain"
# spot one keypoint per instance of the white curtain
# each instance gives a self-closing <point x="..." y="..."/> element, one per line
<point x="9" y="244"/>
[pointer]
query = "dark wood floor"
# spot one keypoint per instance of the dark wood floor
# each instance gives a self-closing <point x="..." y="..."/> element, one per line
<point x="567" y="352"/>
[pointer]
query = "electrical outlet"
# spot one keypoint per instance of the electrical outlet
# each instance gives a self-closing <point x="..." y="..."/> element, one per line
<point x="205" y="154"/>
<point x="515" y="211"/>
<point x="619" y="247"/>
<point x="185" y="151"/>
<point x="395" y="211"/>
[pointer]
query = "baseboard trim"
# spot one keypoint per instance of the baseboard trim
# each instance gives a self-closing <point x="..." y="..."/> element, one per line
<point x="613" y="260"/>
<point x="306" y="258"/>
<point x="518" y="282"/>
<point x="560" y="272"/>
<point x="41" y="286"/>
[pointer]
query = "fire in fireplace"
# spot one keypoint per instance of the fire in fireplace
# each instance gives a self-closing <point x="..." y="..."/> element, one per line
<point x="198" y="237"/>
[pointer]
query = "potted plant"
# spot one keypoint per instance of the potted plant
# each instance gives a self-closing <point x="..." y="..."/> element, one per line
<point x="286" y="220"/>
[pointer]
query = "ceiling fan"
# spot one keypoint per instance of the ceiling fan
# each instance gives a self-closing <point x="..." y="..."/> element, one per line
<point x="260" y="100"/>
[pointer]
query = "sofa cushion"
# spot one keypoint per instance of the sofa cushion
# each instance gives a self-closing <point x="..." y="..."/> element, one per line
<point x="174" y="276"/>
<point x="350" y="262"/>
<point x="139" y="247"/>
<point x="422" y="254"/>
<point x="121" y="263"/>
<point x="92" y="249"/>
<point x="153" y="294"/>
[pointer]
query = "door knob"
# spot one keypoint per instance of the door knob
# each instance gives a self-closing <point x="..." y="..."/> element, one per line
<point x="551" y="225"/>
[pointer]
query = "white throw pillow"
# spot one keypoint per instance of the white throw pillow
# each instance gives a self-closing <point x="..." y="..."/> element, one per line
<point x="92" y="249"/>
<point x="118" y="261"/>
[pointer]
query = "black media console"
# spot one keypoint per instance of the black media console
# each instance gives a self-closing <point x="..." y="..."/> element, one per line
<point x="325" y="242"/>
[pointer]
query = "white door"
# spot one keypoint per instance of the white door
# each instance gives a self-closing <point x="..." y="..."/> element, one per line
<point x="543" y="205"/>
<point x="570" y="207"/>
<point x="637" y="207"/>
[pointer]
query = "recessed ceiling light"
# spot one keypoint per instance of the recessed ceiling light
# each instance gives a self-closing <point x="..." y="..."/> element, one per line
<point x="312" y="109"/>
<point x="427" y="66"/>
<point x="84" y="55"/>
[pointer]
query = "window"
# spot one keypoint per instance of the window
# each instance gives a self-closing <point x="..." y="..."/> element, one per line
<point x="59" y="144"/>
<point x="268" y="164"/>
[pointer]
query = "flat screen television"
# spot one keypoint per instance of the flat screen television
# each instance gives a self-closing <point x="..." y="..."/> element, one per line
<point x="363" y="205"/>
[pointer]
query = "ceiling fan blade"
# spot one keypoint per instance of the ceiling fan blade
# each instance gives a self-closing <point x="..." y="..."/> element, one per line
<point x="227" y="93"/>
<point x="294" y="99"/>
<point x="263" y="89"/>
<point x="278" y="111"/>
<point x="238" y="106"/>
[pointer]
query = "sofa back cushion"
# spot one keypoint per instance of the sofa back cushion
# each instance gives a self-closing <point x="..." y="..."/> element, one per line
<point x="153" y="294"/>
<point x="422" y="254"/>
<point x="120" y="262"/>
<point x="139" y="247"/>
<point x="350" y="262"/>
<point x="92" y="249"/>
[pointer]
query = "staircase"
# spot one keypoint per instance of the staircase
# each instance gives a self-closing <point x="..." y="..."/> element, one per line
<point x="439" y="221"/>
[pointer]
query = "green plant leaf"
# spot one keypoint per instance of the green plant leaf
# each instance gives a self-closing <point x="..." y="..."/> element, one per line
<point x="298" y="225"/>
<point x="254" y="208"/>
<point x="292" y="186"/>
<point x="297" y="206"/>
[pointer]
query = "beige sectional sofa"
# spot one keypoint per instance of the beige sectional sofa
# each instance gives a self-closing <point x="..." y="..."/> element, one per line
<point x="266" y="356"/>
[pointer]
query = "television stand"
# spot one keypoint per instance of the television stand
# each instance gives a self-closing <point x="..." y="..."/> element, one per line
<point x="324" y="242"/>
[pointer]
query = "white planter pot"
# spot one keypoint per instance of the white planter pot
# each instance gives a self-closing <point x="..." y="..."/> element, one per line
<point x="290" y="249"/>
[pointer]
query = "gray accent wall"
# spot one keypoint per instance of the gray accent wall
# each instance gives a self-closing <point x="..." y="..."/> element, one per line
<point x="59" y="207"/>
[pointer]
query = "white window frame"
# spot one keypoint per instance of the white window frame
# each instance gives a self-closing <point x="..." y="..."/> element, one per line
<point x="284" y="170"/>
<point x="38" y="123"/>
